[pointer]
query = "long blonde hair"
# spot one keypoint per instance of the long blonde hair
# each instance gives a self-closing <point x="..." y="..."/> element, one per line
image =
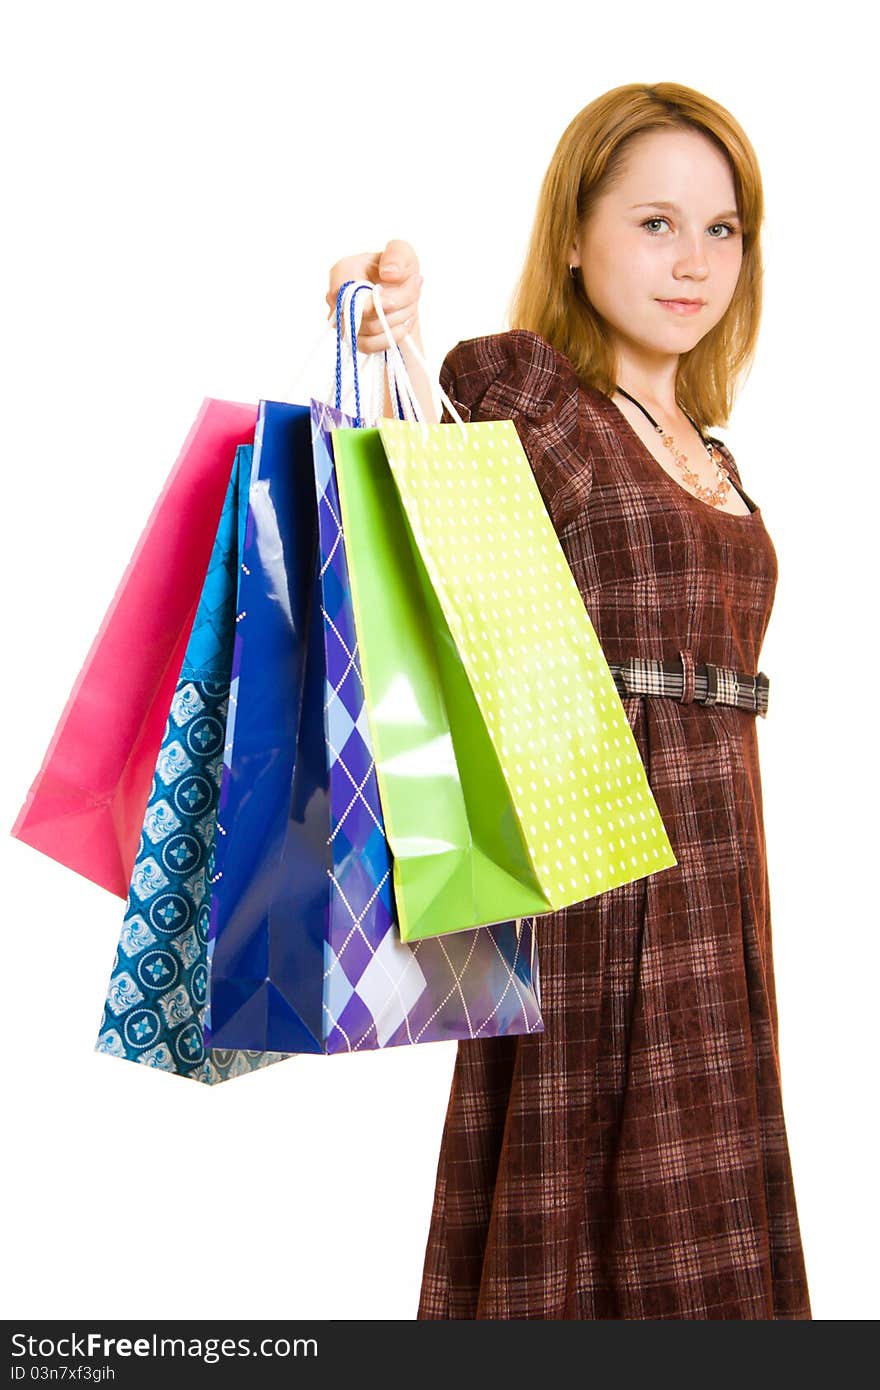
<point x="593" y="147"/>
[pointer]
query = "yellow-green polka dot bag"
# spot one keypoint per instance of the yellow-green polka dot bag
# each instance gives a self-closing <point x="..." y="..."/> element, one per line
<point x="510" y="780"/>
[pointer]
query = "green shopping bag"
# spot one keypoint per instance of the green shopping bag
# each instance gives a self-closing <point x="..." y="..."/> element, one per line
<point x="510" y="780"/>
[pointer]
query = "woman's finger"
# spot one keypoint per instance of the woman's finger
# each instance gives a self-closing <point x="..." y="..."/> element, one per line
<point x="401" y="300"/>
<point x="377" y="342"/>
<point x="399" y="304"/>
<point x="399" y="297"/>
<point x="373" y="324"/>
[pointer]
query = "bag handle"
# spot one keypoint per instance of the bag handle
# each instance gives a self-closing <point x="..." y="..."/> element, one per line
<point x="375" y="368"/>
<point x="397" y="369"/>
<point x="391" y="362"/>
<point x="347" y="310"/>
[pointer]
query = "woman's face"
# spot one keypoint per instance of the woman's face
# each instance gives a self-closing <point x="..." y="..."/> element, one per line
<point x="636" y="252"/>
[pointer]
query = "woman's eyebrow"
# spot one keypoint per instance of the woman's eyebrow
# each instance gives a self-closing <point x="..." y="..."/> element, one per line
<point x="673" y="207"/>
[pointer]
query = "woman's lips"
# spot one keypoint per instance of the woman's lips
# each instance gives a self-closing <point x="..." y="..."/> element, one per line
<point x="678" y="306"/>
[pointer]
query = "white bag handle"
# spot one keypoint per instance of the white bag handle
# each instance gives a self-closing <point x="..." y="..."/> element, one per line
<point x="320" y="345"/>
<point x="397" y="370"/>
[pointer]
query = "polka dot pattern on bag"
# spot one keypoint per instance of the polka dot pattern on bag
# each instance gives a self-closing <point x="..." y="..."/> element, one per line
<point x="535" y="665"/>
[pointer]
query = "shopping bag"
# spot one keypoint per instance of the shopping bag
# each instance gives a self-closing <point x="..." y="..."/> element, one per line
<point x="304" y="951"/>
<point x="510" y="780"/>
<point x="85" y="807"/>
<point x="157" y="993"/>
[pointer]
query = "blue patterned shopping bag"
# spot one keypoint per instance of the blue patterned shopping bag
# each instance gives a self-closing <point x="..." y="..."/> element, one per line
<point x="304" y="948"/>
<point x="158" y="988"/>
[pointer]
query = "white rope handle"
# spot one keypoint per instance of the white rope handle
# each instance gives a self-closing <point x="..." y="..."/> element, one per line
<point x="397" y="369"/>
<point x="320" y="345"/>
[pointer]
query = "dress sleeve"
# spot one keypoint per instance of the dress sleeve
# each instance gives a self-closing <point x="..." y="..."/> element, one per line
<point x="519" y="376"/>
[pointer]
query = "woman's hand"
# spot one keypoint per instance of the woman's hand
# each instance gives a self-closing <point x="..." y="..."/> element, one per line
<point x="396" y="269"/>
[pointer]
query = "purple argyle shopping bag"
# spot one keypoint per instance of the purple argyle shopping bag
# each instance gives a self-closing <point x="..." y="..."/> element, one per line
<point x="305" y="953"/>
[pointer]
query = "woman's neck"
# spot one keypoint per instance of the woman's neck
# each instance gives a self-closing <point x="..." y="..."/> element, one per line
<point x="653" y="384"/>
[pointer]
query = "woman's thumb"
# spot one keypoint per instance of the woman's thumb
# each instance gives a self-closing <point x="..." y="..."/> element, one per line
<point x="390" y="262"/>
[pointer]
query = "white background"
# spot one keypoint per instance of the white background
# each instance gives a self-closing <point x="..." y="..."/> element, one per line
<point x="177" y="180"/>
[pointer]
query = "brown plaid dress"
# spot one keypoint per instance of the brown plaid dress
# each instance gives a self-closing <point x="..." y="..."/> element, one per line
<point x="631" y="1161"/>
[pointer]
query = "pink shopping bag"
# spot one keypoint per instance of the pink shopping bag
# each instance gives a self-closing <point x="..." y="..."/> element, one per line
<point x="85" y="807"/>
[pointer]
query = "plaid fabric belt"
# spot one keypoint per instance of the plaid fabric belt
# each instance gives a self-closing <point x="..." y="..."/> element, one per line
<point x="686" y="681"/>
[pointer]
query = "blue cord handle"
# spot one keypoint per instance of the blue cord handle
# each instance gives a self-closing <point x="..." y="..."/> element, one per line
<point x="357" y="385"/>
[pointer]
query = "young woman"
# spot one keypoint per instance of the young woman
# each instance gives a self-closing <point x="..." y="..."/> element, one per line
<point x="631" y="1161"/>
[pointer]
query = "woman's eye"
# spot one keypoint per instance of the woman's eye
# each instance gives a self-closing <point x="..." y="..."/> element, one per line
<point x="731" y="231"/>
